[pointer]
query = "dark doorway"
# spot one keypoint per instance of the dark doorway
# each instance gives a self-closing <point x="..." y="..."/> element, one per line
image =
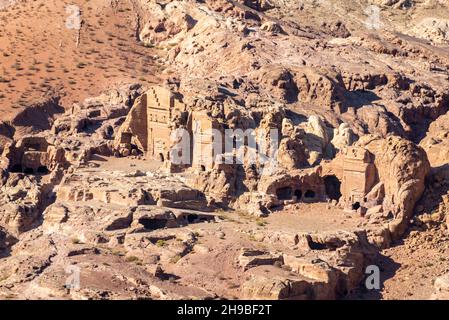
<point x="284" y="193"/>
<point x="333" y="186"/>
<point x="42" y="170"/>
<point x="356" y="206"/>
<point x="191" y="218"/>
<point x="310" y="194"/>
<point x="109" y="131"/>
<point x="17" y="168"/>
<point x="153" y="224"/>
<point x="161" y="157"/>
<point x="298" y="194"/>
<point x="317" y="246"/>
<point x="28" y="171"/>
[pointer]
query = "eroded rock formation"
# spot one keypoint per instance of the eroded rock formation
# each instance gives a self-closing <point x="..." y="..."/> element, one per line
<point x="275" y="160"/>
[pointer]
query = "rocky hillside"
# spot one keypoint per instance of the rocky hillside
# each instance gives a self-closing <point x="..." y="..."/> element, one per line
<point x="357" y="91"/>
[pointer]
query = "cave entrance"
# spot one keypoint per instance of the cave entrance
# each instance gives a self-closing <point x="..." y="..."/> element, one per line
<point x="191" y="218"/>
<point x="333" y="187"/>
<point x="153" y="224"/>
<point x="28" y="171"/>
<point x="298" y="195"/>
<point x="17" y="168"/>
<point x="161" y="157"/>
<point x="356" y="206"/>
<point x="197" y="218"/>
<point x="310" y="194"/>
<point x="284" y="193"/>
<point x="42" y="170"/>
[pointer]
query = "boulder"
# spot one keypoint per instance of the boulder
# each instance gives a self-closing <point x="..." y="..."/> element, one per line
<point x="441" y="286"/>
<point x="249" y="258"/>
<point x="402" y="167"/>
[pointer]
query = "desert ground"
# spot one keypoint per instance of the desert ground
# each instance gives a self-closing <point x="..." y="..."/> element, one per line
<point x="127" y="141"/>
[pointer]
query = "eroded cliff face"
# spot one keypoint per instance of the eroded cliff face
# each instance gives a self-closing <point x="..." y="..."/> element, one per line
<point x="353" y="118"/>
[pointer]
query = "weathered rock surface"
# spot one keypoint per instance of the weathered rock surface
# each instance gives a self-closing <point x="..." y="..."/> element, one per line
<point x="436" y="141"/>
<point x="355" y="125"/>
<point x="441" y="288"/>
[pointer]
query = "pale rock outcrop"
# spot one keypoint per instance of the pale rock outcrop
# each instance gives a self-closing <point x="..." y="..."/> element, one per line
<point x="168" y="23"/>
<point x="436" y="142"/>
<point x="21" y="202"/>
<point x="310" y="142"/>
<point x="441" y="285"/>
<point x="433" y="29"/>
<point x="311" y="276"/>
<point x="343" y="137"/>
<point x="316" y="139"/>
<point x="433" y="208"/>
<point x="292" y="153"/>
<point x="272" y="27"/>
<point x="402" y="167"/>
<point x="381" y="179"/>
<point x="255" y="203"/>
<point x="268" y="283"/>
<point x="249" y="258"/>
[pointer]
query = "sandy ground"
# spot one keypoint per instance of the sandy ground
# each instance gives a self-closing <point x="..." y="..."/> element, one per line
<point x="41" y="54"/>
<point x="313" y="218"/>
<point x="125" y="165"/>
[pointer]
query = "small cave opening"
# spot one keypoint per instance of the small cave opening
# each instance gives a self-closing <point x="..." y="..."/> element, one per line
<point x="298" y="195"/>
<point x="284" y="193"/>
<point x="160" y="28"/>
<point x="191" y="218"/>
<point x="109" y="131"/>
<point x="317" y="246"/>
<point x="28" y="171"/>
<point x="310" y="194"/>
<point x="203" y="168"/>
<point x="43" y="170"/>
<point x="17" y="168"/>
<point x="356" y="206"/>
<point x="161" y="157"/>
<point x="153" y="224"/>
<point x="333" y="187"/>
<point x="197" y="218"/>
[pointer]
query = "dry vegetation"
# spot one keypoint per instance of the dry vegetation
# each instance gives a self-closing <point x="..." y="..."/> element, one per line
<point x="39" y="54"/>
